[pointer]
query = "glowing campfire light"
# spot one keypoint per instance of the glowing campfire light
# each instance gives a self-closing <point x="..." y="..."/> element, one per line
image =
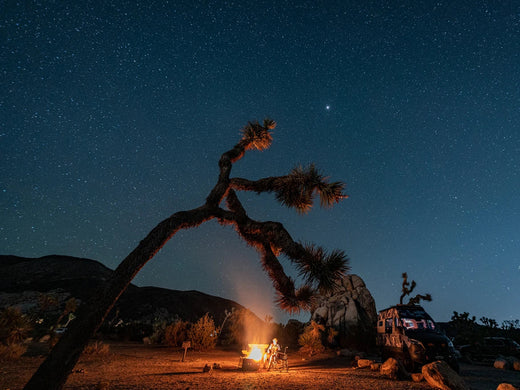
<point x="256" y="351"/>
<point x="255" y="354"/>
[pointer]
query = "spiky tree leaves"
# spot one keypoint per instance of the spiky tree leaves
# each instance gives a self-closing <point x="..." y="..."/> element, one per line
<point x="256" y="136"/>
<point x="297" y="189"/>
<point x="296" y="300"/>
<point x="270" y="239"/>
<point x="321" y="269"/>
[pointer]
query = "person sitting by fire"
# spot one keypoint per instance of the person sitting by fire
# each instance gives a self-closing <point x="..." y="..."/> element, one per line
<point x="272" y="352"/>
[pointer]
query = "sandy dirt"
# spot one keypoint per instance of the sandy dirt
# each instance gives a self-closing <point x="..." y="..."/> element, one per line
<point x="136" y="366"/>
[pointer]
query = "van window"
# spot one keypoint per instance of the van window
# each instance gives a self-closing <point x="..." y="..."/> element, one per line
<point x="417" y="324"/>
<point x="388" y="325"/>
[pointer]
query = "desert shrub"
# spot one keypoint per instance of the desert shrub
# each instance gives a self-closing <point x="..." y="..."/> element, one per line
<point x="176" y="333"/>
<point x="14" y="326"/>
<point x="244" y="327"/>
<point x="203" y="334"/>
<point x="290" y="333"/>
<point x="464" y="328"/>
<point x="12" y="351"/>
<point x="331" y="335"/>
<point x="157" y="336"/>
<point x="70" y="307"/>
<point x="97" y="348"/>
<point x="235" y="331"/>
<point x="310" y="339"/>
<point x="133" y="331"/>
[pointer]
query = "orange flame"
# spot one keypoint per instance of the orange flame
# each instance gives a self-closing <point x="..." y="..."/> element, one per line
<point x="256" y="351"/>
<point x="255" y="354"/>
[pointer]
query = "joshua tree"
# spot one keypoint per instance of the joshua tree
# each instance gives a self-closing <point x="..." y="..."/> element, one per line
<point x="318" y="269"/>
<point x="418" y="298"/>
<point x="407" y="290"/>
<point x="70" y="307"/>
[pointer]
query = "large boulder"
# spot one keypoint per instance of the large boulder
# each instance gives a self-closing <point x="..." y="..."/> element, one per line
<point x="441" y="376"/>
<point x="350" y="309"/>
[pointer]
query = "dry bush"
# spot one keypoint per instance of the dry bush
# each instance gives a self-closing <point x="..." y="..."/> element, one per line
<point x="97" y="348"/>
<point x="203" y="334"/>
<point x="14" y="326"/>
<point x="310" y="339"/>
<point x="244" y="327"/>
<point x="12" y="351"/>
<point x="157" y="336"/>
<point x="176" y="333"/>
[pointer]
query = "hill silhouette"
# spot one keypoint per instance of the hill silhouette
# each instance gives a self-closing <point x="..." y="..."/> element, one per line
<point x="81" y="277"/>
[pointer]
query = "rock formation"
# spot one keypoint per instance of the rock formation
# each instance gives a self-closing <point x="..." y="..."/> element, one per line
<point x="351" y="310"/>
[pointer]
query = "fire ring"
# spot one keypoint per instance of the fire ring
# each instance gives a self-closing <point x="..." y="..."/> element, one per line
<point x="250" y="365"/>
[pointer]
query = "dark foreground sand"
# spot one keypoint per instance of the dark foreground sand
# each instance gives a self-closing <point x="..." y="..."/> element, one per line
<point x="136" y="366"/>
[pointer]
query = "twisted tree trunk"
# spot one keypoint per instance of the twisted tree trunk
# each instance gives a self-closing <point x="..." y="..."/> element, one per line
<point x="54" y="371"/>
<point x="267" y="237"/>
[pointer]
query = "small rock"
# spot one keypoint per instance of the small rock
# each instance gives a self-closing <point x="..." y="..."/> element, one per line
<point x="375" y="366"/>
<point x="514" y="363"/>
<point x="364" y="363"/>
<point x="441" y="376"/>
<point x="103" y="385"/>
<point x="506" y="386"/>
<point x="417" y="377"/>
<point x="501" y="363"/>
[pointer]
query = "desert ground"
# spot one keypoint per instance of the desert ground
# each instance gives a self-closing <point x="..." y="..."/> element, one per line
<point x="135" y="366"/>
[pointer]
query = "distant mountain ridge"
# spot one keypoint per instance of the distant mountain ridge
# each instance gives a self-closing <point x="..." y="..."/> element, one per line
<point x="81" y="278"/>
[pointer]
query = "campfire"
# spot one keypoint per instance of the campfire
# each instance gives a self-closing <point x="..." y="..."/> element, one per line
<point x="254" y="357"/>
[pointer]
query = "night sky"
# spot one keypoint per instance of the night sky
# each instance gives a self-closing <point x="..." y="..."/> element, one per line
<point x="113" y="116"/>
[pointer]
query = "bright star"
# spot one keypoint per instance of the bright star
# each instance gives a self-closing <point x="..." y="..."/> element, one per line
<point x="327" y="107"/>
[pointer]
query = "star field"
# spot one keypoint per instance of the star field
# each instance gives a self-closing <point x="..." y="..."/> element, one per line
<point x="113" y="116"/>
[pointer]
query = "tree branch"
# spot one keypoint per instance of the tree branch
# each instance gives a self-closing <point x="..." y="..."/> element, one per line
<point x="297" y="189"/>
<point x="270" y="238"/>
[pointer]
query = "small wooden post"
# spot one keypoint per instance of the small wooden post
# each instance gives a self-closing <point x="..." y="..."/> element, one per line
<point x="185" y="345"/>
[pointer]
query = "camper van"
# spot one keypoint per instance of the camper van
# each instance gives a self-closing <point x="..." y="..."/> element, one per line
<point x="409" y="334"/>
